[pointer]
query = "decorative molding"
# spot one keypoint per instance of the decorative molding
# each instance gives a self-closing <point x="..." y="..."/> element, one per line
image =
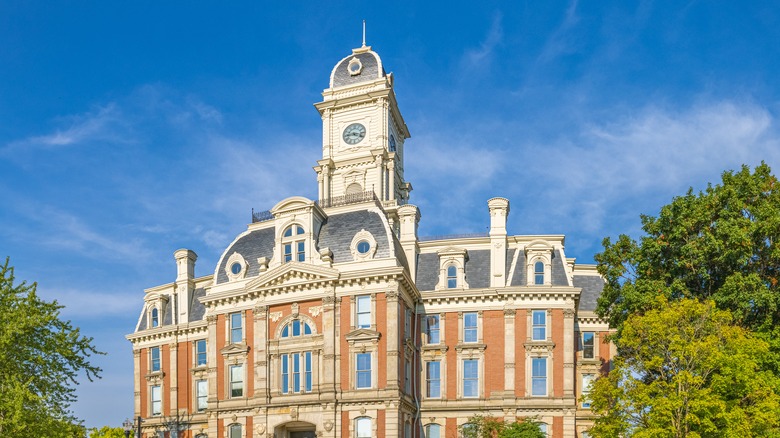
<point x="315" y="311"/>
<point x="294" y="310"/>
<point x="275" y="316"/>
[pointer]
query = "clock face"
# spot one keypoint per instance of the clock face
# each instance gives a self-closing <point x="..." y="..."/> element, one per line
<point x="354" y="133"/>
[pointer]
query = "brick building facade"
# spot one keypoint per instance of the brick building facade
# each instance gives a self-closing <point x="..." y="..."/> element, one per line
<point x="334" y="318"/>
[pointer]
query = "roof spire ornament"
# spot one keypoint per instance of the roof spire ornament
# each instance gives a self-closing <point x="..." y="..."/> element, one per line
<point x="364" y="33"/>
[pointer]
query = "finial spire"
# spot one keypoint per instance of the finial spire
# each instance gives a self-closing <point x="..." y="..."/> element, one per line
<point x="364" y="33"/>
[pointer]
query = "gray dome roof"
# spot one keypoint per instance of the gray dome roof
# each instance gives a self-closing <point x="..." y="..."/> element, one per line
<point x="370" y="68"/>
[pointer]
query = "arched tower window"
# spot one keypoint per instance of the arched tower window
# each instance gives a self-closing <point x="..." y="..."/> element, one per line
<point x="452" y="277"/>
<point x="354" y="189"/>
<point x="155" y="317"/>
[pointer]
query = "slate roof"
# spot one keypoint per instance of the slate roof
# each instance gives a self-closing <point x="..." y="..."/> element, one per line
<point x="372" y="70"/>
<point x="478" y="269"/>
<point x="253" y="245"/>
<point x="518" y="277"/>
<point x="559" y="277"/>
<point x="592" y="286"/>
<point x="427" y="271"/>
<point x="197" y="309"/>
<point x="338" y="231"/>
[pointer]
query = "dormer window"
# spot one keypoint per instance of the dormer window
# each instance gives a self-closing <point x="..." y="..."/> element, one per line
<point x="539" y="273"/>
<point x="452" y="277"/>
<point x="155" y="317"/>
<point x="294" y="244"/>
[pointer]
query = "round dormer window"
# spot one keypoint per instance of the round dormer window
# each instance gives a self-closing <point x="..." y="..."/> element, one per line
<point x="235" y="268"/>
<point x="354" y="67"/>
<point x="363" y="247"/>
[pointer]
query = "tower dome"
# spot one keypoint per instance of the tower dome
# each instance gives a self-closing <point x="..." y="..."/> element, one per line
<point x="363" y="65"/>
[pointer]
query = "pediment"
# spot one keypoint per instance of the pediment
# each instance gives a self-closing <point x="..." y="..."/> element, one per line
<point x="231" y="349"/>
<point x="293" y="274"/>
<point x="452" y="251"/>
<point x="362" y="334"/>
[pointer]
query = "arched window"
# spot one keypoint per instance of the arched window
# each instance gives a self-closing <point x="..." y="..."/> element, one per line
<point x="469" y="430"/>
<point x="539" y="272"/>
<point x="294" y="244"/>
<point x="363" y="427"/>
<point x="433" y="431"/>
<point x="155" y="317"/>
<point x="354" y="189"/>
<point x="543" y="428"/>
<point x="452" y="277"/>
<point x="234" y="431"/>
<point x="296" y="327"/>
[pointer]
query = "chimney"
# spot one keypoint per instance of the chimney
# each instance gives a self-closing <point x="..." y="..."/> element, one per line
<point x="185" y="282"/>
<point x="499" y="210"/>
<point x="409" y="216"/>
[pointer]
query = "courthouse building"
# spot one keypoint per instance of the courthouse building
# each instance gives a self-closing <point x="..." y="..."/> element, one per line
<point x="333" y="318"/>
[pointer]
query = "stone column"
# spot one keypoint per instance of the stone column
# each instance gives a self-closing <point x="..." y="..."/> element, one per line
<point x="185" y="284"/>
<point x="212" y="358"/>
<point x="137" y="382"/>
<point x="409" y="217"/>
<point x="392" y="355"/>
<point x="509" y="355"/>
<point x="261" y="354"/>
<point x="329" y="340"/>
<point x="173" y="369"/>
<point x="568" y="353"/>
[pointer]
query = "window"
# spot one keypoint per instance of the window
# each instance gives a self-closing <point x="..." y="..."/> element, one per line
<point x="156" y="394"/>
<point x="235" y="268"/>
<point x="452" y="277"/>
<point x="296" y="372"/>
<point x="407" y="429"/>
<point x="587" y="379"/>
<point x="363" y="370"/>
<point x="155" y="317"/>
<point x="234" y="431"/>
<point x="363" y="304"/>
<point x="202" y="394"/>
<point x="470" y="378"/>
<point x="236" y="329"/>
<point x="470" y="327"/>
<point x="154" y="354"/>
<point x="539" y="376"/>
<point x="363" y="427"/>
<point x="294" y="246"/>
<point x="200" y="352"/>
<point x="433" y="431"/>
<point x="539" y="328"/>
<point x="408" y="324"/>
<point x="363" y="247"/>
<point x="543" y="428"/>
<point x="469" y="430"/>
<point x="296" y="327"/>
<point x="433" y="379"/>
<point x="539" y="272"/>
<point x="587" y="345"/>
<point x="408" y="375"/>
<point x="236" y="380"/>
<point x="433" y="329"/>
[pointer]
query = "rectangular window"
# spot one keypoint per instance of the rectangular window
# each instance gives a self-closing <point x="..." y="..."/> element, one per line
<point x="363" y="311"/>
<point x="433" y="379"/>
<point x="307" y="371"/>
<point x="154" y="353"/>
<point x="588" y="342"/>
<point x="363" y="370"/>
<point x="363" y="427"/>
<point x="587" y="379"/>
<point x="285" y="374"/>
<point x="236" y="330"/>
<point x="301" y="246"/>
<point x="200" y="352"/>
<point x="433" y="329"/>
<point x="288" y="252"/>
<point x="539" y="376"/>
<point x="156" y="394"/>
<point x="408" y="324"/>
<point x="539" y="328"/>
<point x="470" y="378"/>
<point x="470" y="327"/>
<point x="202" y="391"/>
<point x="236" y="380"/>
<point x="296" y="372"/>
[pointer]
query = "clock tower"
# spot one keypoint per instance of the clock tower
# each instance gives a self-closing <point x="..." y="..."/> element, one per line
<point x="363" y="133"/>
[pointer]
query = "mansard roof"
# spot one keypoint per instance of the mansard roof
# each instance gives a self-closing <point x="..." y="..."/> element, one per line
<point x="591" y="285"/>
<point x="370" y="68"/>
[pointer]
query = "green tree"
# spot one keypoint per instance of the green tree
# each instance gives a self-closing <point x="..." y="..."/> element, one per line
<point x="490" y="427"/>
<point x="40" y="358"/>
<point x="685" y="370"/>
<point x="719" y="244"/>
<point x="107" y="432"/>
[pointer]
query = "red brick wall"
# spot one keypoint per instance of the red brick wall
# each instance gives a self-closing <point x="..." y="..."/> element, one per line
<point x="521" y="334"/>
<point x="493" y="336"/>
<point x="557" y="363"/>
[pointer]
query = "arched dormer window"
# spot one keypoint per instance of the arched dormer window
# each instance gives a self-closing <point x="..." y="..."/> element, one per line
<point x="294" y="244"/>
<point x="539" y="272"/>
<point x="452" y="277"/>
<point x="296" y="327"/>
<point x="155" y="317"/>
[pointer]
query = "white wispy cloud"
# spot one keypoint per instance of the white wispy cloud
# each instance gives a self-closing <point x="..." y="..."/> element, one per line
<point x="560" y="40"/>
<point x="475" y="57"/>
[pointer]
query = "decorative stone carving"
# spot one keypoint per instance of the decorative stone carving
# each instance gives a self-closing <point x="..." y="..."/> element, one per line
<point x="260" y="429"/>
<point x="510" y="312"/>
<point x="315" y="311"/>
<point x="328" y="425"/>
<point x="568" y="313"/>
<point x="275" y="316"/>
<point x="294" y="413"/>
<point x="294" y="309"/>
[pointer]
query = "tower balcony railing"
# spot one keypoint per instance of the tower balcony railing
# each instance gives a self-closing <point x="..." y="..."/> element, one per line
<point x="335" y="201"/>
<point x="452" y="236"/>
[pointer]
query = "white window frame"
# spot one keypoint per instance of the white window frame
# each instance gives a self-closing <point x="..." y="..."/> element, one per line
<point x="586" y="382"/>
<point x="235" y="430"/>
<point x="152" y="359"/>
<point x="535" y="325"/>
<point x="370" y="370"/>
<point x="535" y="378"/>
<point x="367" y="314"/>
<point x="452" y="256"/>
<point x="205" y="353"/>
<point x="201" y="384"/>
<point x="305" y="371"/>
<point x="476" y="378"/>
<point x="429" y="330"/>
<point x="232" y="382"/>
<point x="427" y="430"/>
<point x="429" y="379"/>
<point x="471" y="329"/>
<point x="592" y="347"/>
<point x="365" y="422"/>
<point x="296" y="242"/>
<point x="232" y="329"/>
<point x="155" y="404"/>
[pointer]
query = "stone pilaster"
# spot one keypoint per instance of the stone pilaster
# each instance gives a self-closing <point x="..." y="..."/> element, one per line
<point x="499" y="210"/>
<point x="509" y="352"/>
<point x="568" y="352"/>
<point x="213" y="357"/>
<point x="329" y="341"/>
<point x="137" y="382"/>
<point x="173" y="369"/>
<point x="392" y="354"/>
<point x="261" y="383"/>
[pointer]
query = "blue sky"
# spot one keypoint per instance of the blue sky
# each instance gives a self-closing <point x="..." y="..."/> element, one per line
<point x="131" y="129"/>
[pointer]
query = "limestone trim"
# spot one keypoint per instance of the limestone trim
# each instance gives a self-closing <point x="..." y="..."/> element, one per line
<point x="236" y="259"/>
<point x="363" y="236"/>
<point x="452" y="257"/>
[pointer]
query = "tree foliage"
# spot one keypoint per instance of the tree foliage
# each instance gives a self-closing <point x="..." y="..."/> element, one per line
<point x="40" y="358"/>
<point x="686" y="370"/>
<point x="107" y="432"/>
<point x="490" y="427"/>
<point x="719" y="244"/>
